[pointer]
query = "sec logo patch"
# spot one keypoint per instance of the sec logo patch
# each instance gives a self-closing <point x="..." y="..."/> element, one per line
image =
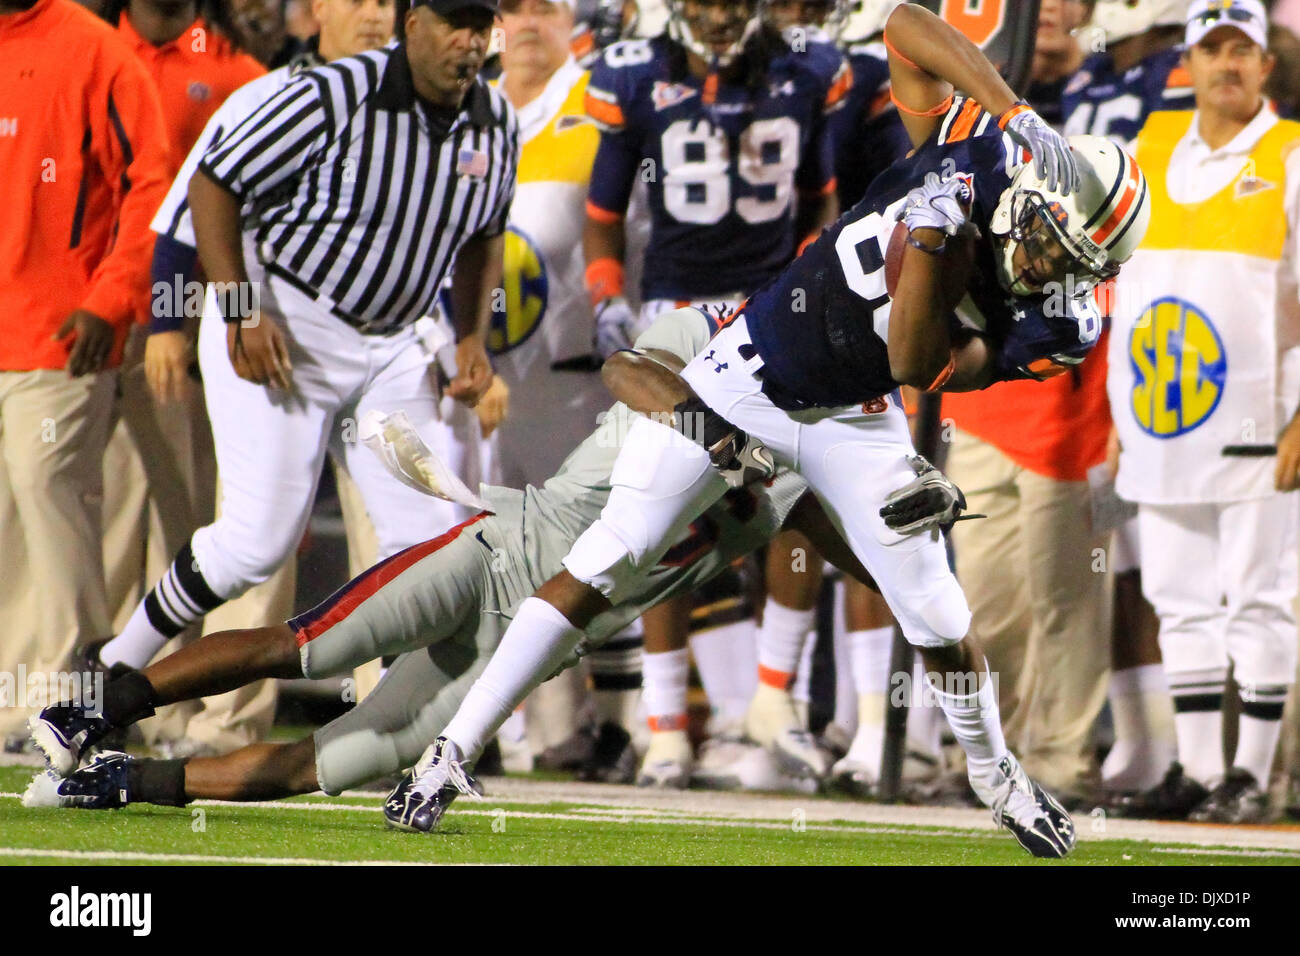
<point x="1179" y="368"/>
<point x="527" y="291"/>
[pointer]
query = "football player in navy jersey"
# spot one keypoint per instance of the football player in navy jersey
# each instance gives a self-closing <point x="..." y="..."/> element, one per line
<point x="807" y="373"/>
<point x="727" y="127"/>
<point x="867" y="132"/>
<point x="1138" y="72"/>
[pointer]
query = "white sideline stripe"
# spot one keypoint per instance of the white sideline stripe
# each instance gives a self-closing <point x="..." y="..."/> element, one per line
<point x="197" y="858"/>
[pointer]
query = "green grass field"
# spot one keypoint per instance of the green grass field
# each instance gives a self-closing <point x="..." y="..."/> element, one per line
<point x="722" y="830"/>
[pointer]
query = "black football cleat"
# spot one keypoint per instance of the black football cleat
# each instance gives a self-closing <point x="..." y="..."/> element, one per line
<point x="423" y="795"/>
<point x="63" y="732"/>
<point x="1238" y="799"/>
<point x="1035" y="818"/>
<point x="614" y="758"/>
<point x="1173" y="798"/>
<point x="100" y="785"/>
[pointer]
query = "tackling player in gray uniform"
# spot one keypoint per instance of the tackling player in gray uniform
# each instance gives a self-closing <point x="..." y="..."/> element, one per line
<point x="442" y="605"/>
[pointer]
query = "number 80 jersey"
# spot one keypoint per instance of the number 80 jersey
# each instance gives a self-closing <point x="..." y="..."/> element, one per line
<point x="822" y="327"/>
<point x="722" y="162"/>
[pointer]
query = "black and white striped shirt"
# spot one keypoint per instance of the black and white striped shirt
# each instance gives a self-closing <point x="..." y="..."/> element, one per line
<point x="351" y="194"/>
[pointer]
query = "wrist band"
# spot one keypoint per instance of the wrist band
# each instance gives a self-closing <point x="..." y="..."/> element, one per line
<point x="1019" y="107"/>
<point x="917" y="244"/>
<point x="604" y="279"/>
<point x="943" y="377"/>
<point x="939" y="110"/>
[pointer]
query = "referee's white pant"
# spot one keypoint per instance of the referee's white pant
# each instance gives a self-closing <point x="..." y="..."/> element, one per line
<point x="270" y="445"/>
<point x="1222" y="578"/>
<point x="850" y="457"/>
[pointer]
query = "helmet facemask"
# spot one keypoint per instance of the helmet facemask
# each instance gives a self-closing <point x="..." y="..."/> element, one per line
<point x="1036" y="224"/>
<point x="679" y="28"/>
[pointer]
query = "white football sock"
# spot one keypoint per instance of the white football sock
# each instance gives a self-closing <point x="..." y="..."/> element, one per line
<point x="780" y="642"/>
<point x="137" y="644"/>
<point x="976" y="725"/>
<point x="532" y="648"/>
<point x="1145" y="742"/>
<point x="1200" y="744"/>
<point x="869" y="652"/>
<point x="180" y="598"/>
<point x="665" y="676"/>
<point x="727" y="660"/>
<point x="1256" y="745"/>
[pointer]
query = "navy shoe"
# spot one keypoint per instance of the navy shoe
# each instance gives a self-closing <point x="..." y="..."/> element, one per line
<point x="63" y="732"/>
<point x="100" y="785"/>
<point x="423" y="795"/>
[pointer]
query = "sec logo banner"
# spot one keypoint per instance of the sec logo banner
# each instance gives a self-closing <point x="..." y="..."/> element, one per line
<point x="1179" y="368"/>
<point x="527" y="291"/>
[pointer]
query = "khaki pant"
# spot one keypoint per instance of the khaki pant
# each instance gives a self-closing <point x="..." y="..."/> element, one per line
<point x="53" y="430"/>
<point x="159" y="476"/>
<point x="1040" y="603"/>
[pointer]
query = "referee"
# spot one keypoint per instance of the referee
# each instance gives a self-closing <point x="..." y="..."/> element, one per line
<point x="344" y="201"/>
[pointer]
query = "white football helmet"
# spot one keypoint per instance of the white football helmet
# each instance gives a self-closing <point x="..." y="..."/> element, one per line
<point x="1120" y="19"/>
<point x="679" y="28"/>
<point x="1099" y="225"/>
<point x="649" y="21"/>
<point x="857" y="20"/>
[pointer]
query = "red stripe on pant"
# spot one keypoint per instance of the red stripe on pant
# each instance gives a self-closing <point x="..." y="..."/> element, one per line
<point x="348" y="598"/>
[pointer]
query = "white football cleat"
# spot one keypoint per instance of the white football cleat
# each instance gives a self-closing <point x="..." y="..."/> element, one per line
<point x="1035" y="818"/>
<point x="773" y="722"/>
<point x="668" y="761"/>
<point x="730" y="762"/>
<point x="43" y="791"/>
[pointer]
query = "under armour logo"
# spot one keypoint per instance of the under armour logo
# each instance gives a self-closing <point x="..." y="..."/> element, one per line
<point x="717" y="366"/>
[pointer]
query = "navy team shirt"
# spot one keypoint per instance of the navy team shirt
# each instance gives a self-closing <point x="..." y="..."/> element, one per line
<point x="724" y="176"/>
<point x="1100" y="102"/>
<point x="821" y="327"/>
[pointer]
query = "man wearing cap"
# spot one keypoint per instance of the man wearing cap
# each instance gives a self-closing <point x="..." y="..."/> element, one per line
<point x="327" y="221"/>
<point x="1202" y="387"/>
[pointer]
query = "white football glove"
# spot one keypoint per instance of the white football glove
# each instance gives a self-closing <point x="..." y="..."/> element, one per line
<point x="615" y="326"/>
<point x="927" y="502"/>
<point x="1054" y="163"/>
<point x="942" y="204"/>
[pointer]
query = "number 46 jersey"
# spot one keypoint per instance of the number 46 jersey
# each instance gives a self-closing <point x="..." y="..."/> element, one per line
<point x="822" y="327"/>
<point x="723" y="162"/>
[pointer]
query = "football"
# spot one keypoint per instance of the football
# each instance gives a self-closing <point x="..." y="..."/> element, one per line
<point x="959" y="261"/>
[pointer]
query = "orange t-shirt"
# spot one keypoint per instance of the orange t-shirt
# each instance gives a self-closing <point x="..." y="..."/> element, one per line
<point x="194" y="74"/>
<point x="84" y="154"/>
<point x="1056" y="428"/>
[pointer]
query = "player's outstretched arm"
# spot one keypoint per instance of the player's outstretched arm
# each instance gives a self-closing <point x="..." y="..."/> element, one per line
<point x="928" y="59"/>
